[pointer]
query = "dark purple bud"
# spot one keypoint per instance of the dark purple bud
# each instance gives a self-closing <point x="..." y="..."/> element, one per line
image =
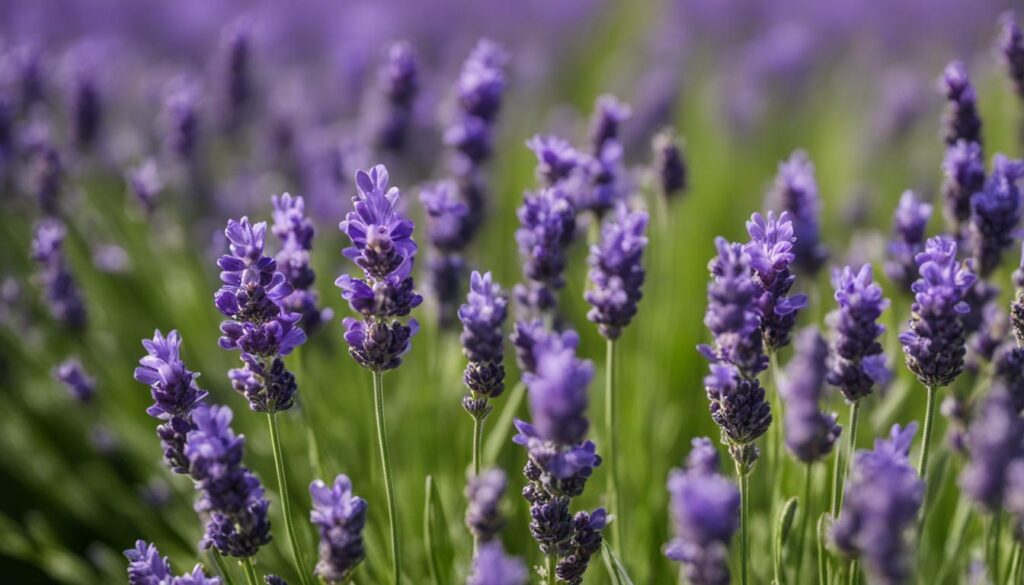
<point x="964" y="169"/>
<point x="616" y="271"/>
<point x="909" y="223"/>
<point x="796" y="191"/>
<point x="857" y="362"/>
<point x="995" y="213"/>
<point x="609" y="114"/>
<point x="961" y="120"/>
<point x="72" y="374"/>
<point x="671" y="174"/>
<point x="340" y="517"/>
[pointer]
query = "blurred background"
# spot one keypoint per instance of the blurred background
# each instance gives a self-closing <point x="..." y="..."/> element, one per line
<point x="217" y="105"/>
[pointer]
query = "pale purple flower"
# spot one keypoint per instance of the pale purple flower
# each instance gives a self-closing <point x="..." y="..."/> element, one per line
<point x="492" y="567"/>
<point x="616" y="271"/>
<point x="340" y="517"/>
<point x="909" y="223"/>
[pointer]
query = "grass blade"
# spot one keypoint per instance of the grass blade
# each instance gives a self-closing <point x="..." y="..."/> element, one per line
<point x="435" y="535"/>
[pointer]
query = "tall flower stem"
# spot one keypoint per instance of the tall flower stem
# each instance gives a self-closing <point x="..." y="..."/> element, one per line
<point x="221" y="567"/>
<point x="389" y="484"/>
<point x="478" y="441"/>
<point x="805" y="517"/>
<point x="744" y="476"/>
<point x="286" y="504"/>
<point x="611" y="428"/>
<point x="250" y="572"/>
<point x="922" y="464"/>
<point x="550" y="562"/>
<point x="842" y="461"/>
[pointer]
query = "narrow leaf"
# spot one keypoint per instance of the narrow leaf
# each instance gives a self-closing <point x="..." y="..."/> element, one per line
<point x="436" y="537"/>
<point x="503" y="427"/>
<point x="616" y="571"/>
<point x="783" y="526"/>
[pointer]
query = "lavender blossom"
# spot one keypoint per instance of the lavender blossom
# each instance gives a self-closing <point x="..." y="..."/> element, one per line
<point x="732" y="314"/>
<point x="1017" y="304"/>
<point x="479" y="90"/>
<point x="296" y="232"/>
<point x="982" y="346"/>
<point x="857" y="360"/>
<point x="72" y="374"/>
<point x="672" y="177"/>
<point x="705" y="509"/>
<point x="399" y="83"/>
<point x="964" y="168"/>
<point x="482" y="318"/>
<point x="484" y="493"/>
<point x="599" y="182"/>
<point x="145" y="183"/>
<point x="995" y="213"/>
<point x="147" y="567"/>
<point x="934" y="344"/>
<point x="547" y="221"/>
<point x="231" y="498"/>
<point x="340" y="516"/>
<point x="796" y="191"/>
<point x="383" y="247"/>
<point x="961" y="120"/>
<point x="770" y="251"/>
<point x="492" y="567"/>
<point x="810" y="433"/>
<point x="739" y="408"/>
<point x="909" y="223"/>
<point x="556" y="158"/>
<point x="234" y="76"/>
<point x="1008" y="373"/>
<point x="616" y="271"/>
<point x="527" y="336"/>
<point x="59" y="287"/>
<point x="880" y="505"/>
<point x="994" y="440"/>
<point x="584" y="544"/>
<point x="609" y="114"/>
<point x="180" y="118"/>
<point x="1011" y="48"/>
<point x="448" y="231"/>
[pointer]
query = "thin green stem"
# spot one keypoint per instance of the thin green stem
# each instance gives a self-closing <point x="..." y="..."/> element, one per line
<point x="805" y="516"/>
<point x="744" y="521"/>
<point x="997" y="531"/>
<point x="549" y="563"/>
<point x="286" y="504"/>
<point x="1017" y="566"/>
<point x="250" y="572"/>
<point x="389" y="484"/>
<point x="853" y="572"/>
<point x="478" y="441"/>
<point x="221" y="567"/>
<point x="611" y="436"/>
<point x="842" y="460"/>
<point x="922" y="464"/>
<point x="822" y="558"/>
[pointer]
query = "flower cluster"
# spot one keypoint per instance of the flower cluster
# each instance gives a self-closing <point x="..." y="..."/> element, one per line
<point x="296" y="231"/>
<point x="669" y="165"/>
<point x="616" y="271"/>
<point x="231" y="498"/>
<point x="340" y="517"/>
<point x="528" y="335"/>
<point x="705" y="509"/>
<point x="609" y="114"/>
<point x="771" y="253"/>
<point x="934" y="344"/>
<point x="796" y="191"/>
<point x="1011" y="47"/>
<point x="740" y="409"/>
<point x="880" y="503"/>
<point x="994" y="441"/>
<point x="483" y="514"/>
<point x="810" y="433"/>
<point x="147" y="567"/>
<point x="547" y="224"/>
<point x="180" y="119"/>
<point x="175" y="395"/>
<point x="857" y="360"/>
<point x="909" y="223"/>
<point x="449" y="232"/>
<point x="382" y="246"/>
<point x="60" y="289"/>
<point x="482" y="318"/>
<point x="733" y="315"/>
<point x="259" y="324"/>
<point x="399" y="82"/>
<point x="962" y="120"/>
<point x="995" y="213"/>
<point x="492" y="567"/>
<point x="1008" y="373"/>
<point x="964" y="168"/>
<point x="72" y="374"/>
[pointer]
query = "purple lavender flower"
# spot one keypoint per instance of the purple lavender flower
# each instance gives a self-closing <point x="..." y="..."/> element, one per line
<point x="479" y="90"/>
<point x="180" y="118"/>
<point x="196" y="577"/>
<point x="527" y="336"/>
<point x="340" y="516"/>
<point x="556" y="158"/>
<point x="705" y="509"/>
<point x="796" y="191"/>
<point x="145" y="183"/>
<point x="234" y="76"/>
<point x="492" y="567"/>
<point x="964" y="168"/>
<point x="810" y="433"/>
<point x="383" y="247"/>
<point x="934" y="344"/>
<point x="85" y="103"/>
<point x="961" y="120"/>
<point x="770" y="250"/>
<point x="733" y="315"/>
<point x="857" y="361"/>
<point x="482" y="318"/>
<point x="448" y="231"/>
<point x="739" y="408"/>
<point x="909" y="223"/>
<point x="1008" y="372"/>
<point x="982" y="346"/>
<point x="881" y="501"/>
<point x="1011" y="47"/>
<point x="616" y="271"/>
<point x="484" y="493"/>
<point x="609" y="114"/>
<point x="994" y="440"/>
<point x="146" y="566"/>
<point x="558" y="393"/>
<point x="296" y="232"/>
<point x="72" y="374"/>
<point x="1017" y="304"/>
<point x="669" y="164"/>
<point x="231" y="498"/>
<point x="995" y="213"/>
<point x="59" y="286"/>
<point x="547" y="224"/>
<point x="599" y="182"/>
<point x="584" y="544"/>
<point x="46" y="176"/>
<point x="399" y="83"/>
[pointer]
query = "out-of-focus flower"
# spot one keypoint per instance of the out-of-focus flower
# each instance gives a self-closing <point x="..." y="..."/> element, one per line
<point x="340" y="516"/>
<point x="72" y="374"/>
<point x="995" y="213"/>
<point x="909" y="222"/>
<point x="60" y="289"/>
<point x="616" y="271"/>
<point x="492" y="567"/>
<point x="857" y="361"/>
<point x="961" y="120"/>
<point x="796" y="191"/>
<point x="810" y="433"/>
<point x="964" y="168"/>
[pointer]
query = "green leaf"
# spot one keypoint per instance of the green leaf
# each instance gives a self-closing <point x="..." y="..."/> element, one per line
<point x="783" y="526"/>
<point x="616" y="571"/>
<point x="437" y="540"/>
<point x="503" y="428"/>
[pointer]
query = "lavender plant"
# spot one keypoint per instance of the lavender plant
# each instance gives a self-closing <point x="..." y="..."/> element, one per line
<point x="59" y="286"/>
<point x="668" y="164"/>
<point x="909" y="223"/>
<point x="340" y="518"/>
<point x="796" y="191"/>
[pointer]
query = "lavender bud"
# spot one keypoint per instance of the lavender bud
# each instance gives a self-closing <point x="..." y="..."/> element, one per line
<point x="585" y="542"/>
<point x="810" y="433"/>
<point x="234" y="77"/>
<point x="609" y="114"/>
<point x="482" y="318"/>
<point x="857" y="360"/>
<point x="1011" y="47"/>
<point x="796" y="191"/>
<point x="547" y="224"/>
<point x="1008" y="373"/>
<point x="484" y="493"/>
<point x="909" y="223"/>
<point x="732" y="314"/>
<point x="59" y="286"/>
<point x="399" y="83"/>
<point x="770" y="251"/>
<point x="995" y="213"/>
<point x="340" y="516"/>
<point x="961" y="120"/>
<point x="80" y="385"/>
<point x="994" y="441"/>
<point x="669" y="164"/>
<point x="616" y="272"/>
<point x="739" y="408"/>
<point x="296" y="232"/>
<point x="964" y="168"/>
<point x="556" y="158"/>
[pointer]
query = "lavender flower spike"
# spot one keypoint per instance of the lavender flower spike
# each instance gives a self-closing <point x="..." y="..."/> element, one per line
<point x="705" y="509"/>
<point x="72" y="374"/>
<point x="609" y="114"/>
<point x="399" y="83"/>
<point x="484" y="493"/>
<point x="61" y="291"/>
<point x="994" y="441"/>
<point x="449" y="231"/>
<point x="482" y="318"/>
<point x="882" y="497"/>
<point x="556" y="158"/>
<point x="492" y="567"/>
<point x="669" y="164"/>
<point x="616" y="271"/>
<point x="340" y="517"/>
<point x="733" y="315"/>
<point x="857" y="360"/>
<point x="547" y="222"/>
<point x="909" y="223"/>
<point x="770" y="251"/>
<point x="995" y="213"/>
<point x="810" y="433"/>
<point x="961" y="120"/>
<point x="739" y="408"/>
<point x="934" y="344"/>
<point x="796" y="191"/>
<point x="1011" y="47"/>
<point x="296" y="232"/>
<point x="147" y="567"/>
<point x="964" y="168"/>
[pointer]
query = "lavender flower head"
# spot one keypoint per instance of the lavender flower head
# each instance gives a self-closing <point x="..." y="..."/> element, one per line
<point x="72" y="374"/>
<point x="609" y="114"/>
<point x="482" y="319"/>
<point x="383" y="247"/>
<point x="234" y="77"/>
<point x="669" y="164"/>
<point x="810" y="433"/>
<point x="964" y="168"/>
<point x="527" y="336"/>
<point x="1008" y="373"/>
<point x="994" y="441"/>
<point x="479" y="91"/>
<point x="880" y="504"/>
<point x="796" y="191"/>
<point x="483" y="514"/>
<point x="145" y="183"/>
<point x="857" y="360"/>
<point x="340" y="516"/>
<point x="59" y="286"/>
<point x="733" y="315"/>
<point x="995" y="213"/>
<point x="556" y="158"/>
<point x="771" y="253"/>
<point x="296" y="232"/>
<point x="909" y="223"/>
<point x="231" y="497"/>
<point x="1017" y="304"/>
<point x="180" y="118"/>
<point x="547" y="221"/>
<point x="147" y="567"/>
<point x="934" y="344"/>
<point x="961" y="120"/>
<point x="739" y="408"/>
<point x="705" y="509"/>
<point x="585" y="543"/>
<point x="599" y="182"/>
<point x="558" y="393"/>
<point x="399" y="82"/>
<point x="449" y="230"/>
<point x="492" y="567"/>
<point x="1011" y="48"/>
<point x="616" y="271"/>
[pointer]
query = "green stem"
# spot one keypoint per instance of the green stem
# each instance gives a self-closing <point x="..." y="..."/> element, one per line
<point x="822" y="559"/>
<point x="805" y="517"/>
<point x="478" y="440"/>
<point x="997" y="529"/>
<point x="549" y="562"/>
<point x="611" y="436"/>
<point x="744" y="521"/>
<point x="842" y="460"/>
<point x="1017" y="566"/>
<point x="385" y="457"/>
<point x="221" y="567"/>
<point x="922" y="464"/>
<point x="853" y="572"/>
<point x="250" y="572"/>
<point x="286" y="505"/>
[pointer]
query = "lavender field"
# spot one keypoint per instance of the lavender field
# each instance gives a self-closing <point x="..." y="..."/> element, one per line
<point x="549" y="292"/>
